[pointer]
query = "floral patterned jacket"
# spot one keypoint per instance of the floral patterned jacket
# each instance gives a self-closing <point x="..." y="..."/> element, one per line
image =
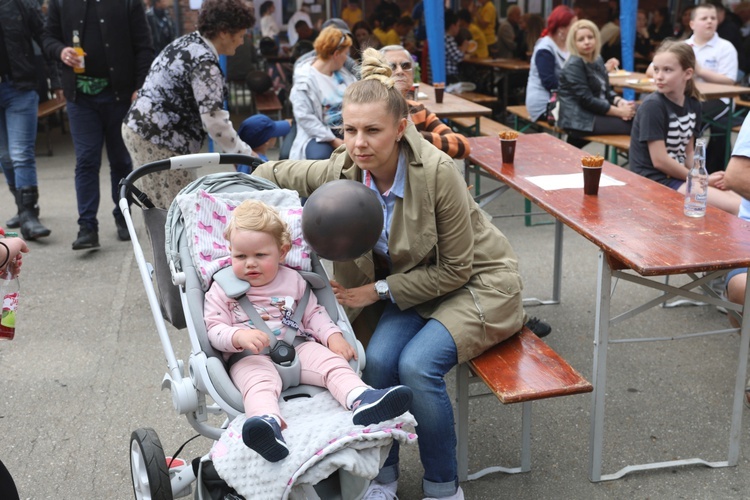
<point x="182" y="97"/>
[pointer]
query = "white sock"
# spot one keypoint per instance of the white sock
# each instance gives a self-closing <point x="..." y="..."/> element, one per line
<point x="275" y="417"/>
<point x="353" y="395"/>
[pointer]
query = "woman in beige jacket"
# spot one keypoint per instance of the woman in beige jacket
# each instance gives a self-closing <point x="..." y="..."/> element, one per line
<point x="441" y="285"/>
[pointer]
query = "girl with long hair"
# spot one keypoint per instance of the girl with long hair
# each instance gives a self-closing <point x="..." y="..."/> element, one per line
<point x="667" y="123"/>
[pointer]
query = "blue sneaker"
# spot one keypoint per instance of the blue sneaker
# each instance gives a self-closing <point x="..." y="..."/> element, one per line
<point x="378" y="405"/>
<point x="263" y="434"/>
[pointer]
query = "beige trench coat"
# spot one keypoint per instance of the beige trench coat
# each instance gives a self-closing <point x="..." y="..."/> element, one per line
<point x="448" y="261"/>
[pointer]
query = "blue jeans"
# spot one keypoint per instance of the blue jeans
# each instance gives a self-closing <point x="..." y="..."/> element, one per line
<point x="318" y="150"/>
<point x="95" y="120"/>
<point x="18" y="135"/>
<point x="407" y="349"/>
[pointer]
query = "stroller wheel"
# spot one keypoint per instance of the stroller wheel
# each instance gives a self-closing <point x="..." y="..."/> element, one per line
<point x="148" y="466"/>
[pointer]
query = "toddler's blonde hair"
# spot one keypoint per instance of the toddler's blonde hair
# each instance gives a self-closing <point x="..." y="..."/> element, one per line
<point x="254" y="215"/>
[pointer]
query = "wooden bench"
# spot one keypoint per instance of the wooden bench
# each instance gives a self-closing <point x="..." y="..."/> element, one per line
<point x="521" y="369"/>
<point x="478" y="98"/>
<point x="487" y="126"/>
<point x="613" y="145"/>
<point x="267" y="102"/>
<point x="521" y="113"/>
<point x="44" y="114"/>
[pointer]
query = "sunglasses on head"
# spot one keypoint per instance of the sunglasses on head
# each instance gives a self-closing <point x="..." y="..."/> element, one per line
<point x="341" y="42"/>
<point x="406" y="66"/>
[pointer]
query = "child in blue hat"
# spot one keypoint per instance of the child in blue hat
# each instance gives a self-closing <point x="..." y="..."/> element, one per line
<point x="260" y="133"/>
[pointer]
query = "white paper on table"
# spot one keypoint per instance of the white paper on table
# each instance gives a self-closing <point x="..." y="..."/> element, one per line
<point x="421" y="96"/>
<point x="569" y="181"/>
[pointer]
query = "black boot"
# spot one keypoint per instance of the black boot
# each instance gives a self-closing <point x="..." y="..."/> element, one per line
<point x="26" y="200"/>
<point x="14" y="221"/>
<point x="87" y="239"/>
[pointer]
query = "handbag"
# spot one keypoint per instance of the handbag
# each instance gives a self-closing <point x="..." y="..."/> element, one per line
<point x="553" y="109"/>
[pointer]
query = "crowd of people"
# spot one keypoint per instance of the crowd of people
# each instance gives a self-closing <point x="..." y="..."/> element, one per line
<point x="147" y="94"/>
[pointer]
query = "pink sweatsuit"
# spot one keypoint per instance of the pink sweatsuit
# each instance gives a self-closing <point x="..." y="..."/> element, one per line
<point x="256" y="376"/>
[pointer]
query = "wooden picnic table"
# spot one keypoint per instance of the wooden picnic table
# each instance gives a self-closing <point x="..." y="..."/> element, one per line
<point x="641" y="233"/>
<point x="452" y="106"/>
<point x="503" y="68"/>
<point x="645" y="85"/>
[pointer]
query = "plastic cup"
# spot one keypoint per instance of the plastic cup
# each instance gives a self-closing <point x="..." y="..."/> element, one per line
<point x="591" y="176"/>
<point x="508" y="150"/>
<point x="439" y="92"/>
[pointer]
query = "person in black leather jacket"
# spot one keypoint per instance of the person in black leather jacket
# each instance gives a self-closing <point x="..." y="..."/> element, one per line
<point x="588" y="105"/>
<point x="21" y="22"/>
<point x="116" y="40"/>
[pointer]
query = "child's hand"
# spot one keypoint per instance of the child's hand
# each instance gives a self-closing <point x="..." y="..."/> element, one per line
<point x="340" y="346"/>
<point x="251" y="339"/>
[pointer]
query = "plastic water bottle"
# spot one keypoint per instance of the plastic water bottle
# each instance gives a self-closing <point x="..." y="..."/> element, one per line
<point x="696" y="194"/>
<point x="10" y="290"/>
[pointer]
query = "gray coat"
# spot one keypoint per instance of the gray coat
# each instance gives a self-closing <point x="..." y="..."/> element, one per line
<point x="584" y="93"/>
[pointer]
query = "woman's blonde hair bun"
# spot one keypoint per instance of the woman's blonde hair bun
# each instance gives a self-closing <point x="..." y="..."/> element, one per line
<point x="376" y="67"/>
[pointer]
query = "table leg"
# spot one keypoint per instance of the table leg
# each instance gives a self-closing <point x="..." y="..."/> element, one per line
<point x="601" y="340"/>
<point x="557" y="283"/>
<point x="556" y="273"/>
<point x="739" y="385"/>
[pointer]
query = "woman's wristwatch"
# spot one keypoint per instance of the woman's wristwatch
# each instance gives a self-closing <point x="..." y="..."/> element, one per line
<point x="381" y="287"/>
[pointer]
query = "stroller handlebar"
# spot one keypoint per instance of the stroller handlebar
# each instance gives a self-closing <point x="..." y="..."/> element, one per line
<point x="183" y="162"/>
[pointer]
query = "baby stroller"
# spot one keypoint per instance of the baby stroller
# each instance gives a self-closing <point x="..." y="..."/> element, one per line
<point x="203" y="391"/>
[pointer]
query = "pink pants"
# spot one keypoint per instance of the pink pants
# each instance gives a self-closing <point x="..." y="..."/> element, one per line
<point x="260" y="384"/>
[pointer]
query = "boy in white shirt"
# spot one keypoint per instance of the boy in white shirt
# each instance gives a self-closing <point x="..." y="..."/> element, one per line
<point x="716" y="63"/>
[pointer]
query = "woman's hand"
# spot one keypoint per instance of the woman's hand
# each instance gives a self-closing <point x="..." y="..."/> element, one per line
<point x="338" y="344"/>
<point x="362" y="296"/>
<point x="251" y="339"/>
<point x="626" y="109"/>
<point x="612" y="64"/>
<point x="716" y="180"/>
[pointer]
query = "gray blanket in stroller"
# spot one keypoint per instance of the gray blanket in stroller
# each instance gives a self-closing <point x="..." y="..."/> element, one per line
<point x="321" y="439"/>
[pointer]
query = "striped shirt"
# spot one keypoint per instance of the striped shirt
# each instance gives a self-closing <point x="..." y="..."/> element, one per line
<point x="438" y="133"/>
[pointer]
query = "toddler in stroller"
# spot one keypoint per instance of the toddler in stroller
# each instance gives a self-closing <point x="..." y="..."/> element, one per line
<point x="329" y="455"/>
<point x="247" y="325"/>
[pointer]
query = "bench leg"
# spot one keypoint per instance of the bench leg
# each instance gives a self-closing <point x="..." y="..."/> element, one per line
<point x="46" y="133"/>
<point x="526" y="437"/>
<point x="463" y="374"/>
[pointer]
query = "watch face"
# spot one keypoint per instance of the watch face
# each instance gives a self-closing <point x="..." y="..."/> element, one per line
<point x="381" y="287"/>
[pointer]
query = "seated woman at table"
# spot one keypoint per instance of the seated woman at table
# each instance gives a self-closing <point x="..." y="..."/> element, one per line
<point x="316" y="96"/>
<point x="588" y="105"/>
<point x="666" y="124"/>
<point x="547" y="60"/>
<point x="440" y="286"/>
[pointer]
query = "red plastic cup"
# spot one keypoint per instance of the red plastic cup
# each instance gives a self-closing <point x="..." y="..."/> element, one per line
<point x="591" y="176"/>
<point x="508" y="150"/>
